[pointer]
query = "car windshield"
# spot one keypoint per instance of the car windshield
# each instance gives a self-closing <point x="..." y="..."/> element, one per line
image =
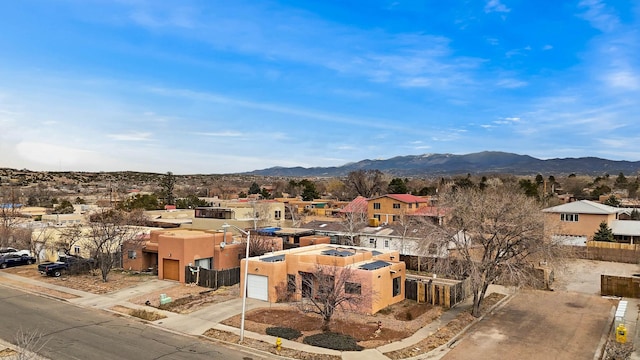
<point x="7" y="250"/>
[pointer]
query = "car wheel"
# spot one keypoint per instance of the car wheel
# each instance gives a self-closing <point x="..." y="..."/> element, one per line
<point x="57" y="273"/>
<point x="29" y="262"/>
<point x="3" y="266"/>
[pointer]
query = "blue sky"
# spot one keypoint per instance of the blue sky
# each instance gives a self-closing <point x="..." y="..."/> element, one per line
<point x="230" y="86"/>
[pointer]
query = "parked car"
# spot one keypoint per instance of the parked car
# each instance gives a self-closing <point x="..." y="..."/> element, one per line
<point x="10" y="250"/>
<point x="67" y="263"/>
<point x="13" y="259"/>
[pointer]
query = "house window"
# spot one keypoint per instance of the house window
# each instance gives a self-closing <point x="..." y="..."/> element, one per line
<point x="410" y="206"/>
<point x="291" y="284"/>
<point x="396" y="217"/>
<point x="76" y="250"/>
<point x="376" y="206"/>
<point x="372" y="242"/>
<point x="352" y="288"/>
<point x="132" y="254"/>
<point x="376" y="216"/>
<point x="386" y="244"/>
<point x="396" y="206"/>
<point x="569" y="217"/>
<point x="396" y="286"/>
<point x="204" y="263"/>
<point x="278" y="214"/>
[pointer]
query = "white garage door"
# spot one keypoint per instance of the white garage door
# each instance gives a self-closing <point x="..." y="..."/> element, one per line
<point x="258" y="287"/>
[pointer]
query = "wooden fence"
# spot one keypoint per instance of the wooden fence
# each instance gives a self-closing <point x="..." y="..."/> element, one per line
<point x="609" y="251"/>
<point x="619" y="286"/>
<point x="212" y="278"/>
<point x="443" y="292"/>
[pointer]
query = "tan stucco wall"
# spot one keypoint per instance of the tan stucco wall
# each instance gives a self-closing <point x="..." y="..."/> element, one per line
<point x="184" y="246"/>
<point x="387" y="211"/>
<point x="376" y="285"/>
<point x="586" y="225"/>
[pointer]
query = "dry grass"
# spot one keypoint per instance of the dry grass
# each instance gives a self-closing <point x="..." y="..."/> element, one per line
<point x="139" y="313"/>
<point x="187" y="299"/>
<point x="6" y="352"/>
<point x="92" y="282"/>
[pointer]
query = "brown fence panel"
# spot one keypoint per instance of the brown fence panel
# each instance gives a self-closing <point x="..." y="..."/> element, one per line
<point x="213" y="278"/>
<point x="619" y="286"/>
<point x="411" y="289"/>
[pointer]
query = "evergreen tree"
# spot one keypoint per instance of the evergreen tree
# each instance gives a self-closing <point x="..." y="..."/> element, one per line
<point x="397" y="186"/>
<point x="604" y="233"/>
<point x="254" y="189"/>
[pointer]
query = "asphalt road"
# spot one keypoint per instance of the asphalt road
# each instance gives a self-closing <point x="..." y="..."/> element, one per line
<point x="71" y="332"/>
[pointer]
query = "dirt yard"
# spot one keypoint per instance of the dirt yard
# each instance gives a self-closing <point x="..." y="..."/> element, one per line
<point x="92" y="283"/>
<point x="187" y="299"/>
<point x="394" y="320"/>
<point x="538" y="325"/>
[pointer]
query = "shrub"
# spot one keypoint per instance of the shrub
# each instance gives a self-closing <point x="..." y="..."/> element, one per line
<point x="146" y="315"/>
<point x="284" y="332"/>
<point x="335" y="341"/>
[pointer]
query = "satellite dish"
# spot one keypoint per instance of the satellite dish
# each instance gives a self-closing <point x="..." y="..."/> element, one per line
<point x="222" y="245"/>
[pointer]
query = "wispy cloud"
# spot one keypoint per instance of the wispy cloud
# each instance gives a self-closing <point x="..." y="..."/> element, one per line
<point x="133" y="136"/>
<point x="495" y="6"/>
<point x="220" y="134"/>
<point x="510" y="83"/>
<point x="598" y="15"/>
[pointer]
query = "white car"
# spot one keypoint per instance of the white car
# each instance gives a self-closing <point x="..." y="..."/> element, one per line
<point x="10" y="250"/>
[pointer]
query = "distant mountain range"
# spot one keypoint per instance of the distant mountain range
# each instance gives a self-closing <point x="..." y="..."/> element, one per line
<point x="486" y="162"/>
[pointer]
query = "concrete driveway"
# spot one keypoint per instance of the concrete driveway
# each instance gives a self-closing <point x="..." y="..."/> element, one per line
<point x="539" y="325"/>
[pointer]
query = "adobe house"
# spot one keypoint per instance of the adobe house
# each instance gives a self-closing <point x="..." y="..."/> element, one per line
<point x="388" y="208"/>
<point x="576" y="222"/>
<point x="378" y="276"/>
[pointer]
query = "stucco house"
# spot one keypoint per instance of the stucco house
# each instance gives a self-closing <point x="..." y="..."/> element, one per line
<point x="390" y="208"/>
<point x="576" y="222"/>
<point x="378" y="276"/>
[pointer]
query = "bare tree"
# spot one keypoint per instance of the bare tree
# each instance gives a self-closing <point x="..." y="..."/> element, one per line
<point x="328" y="289"/>
<point x="69" y="236"/>
<point x="9" y="215"/>
<point x="352" y="222"/>
<point x="108" y="231"/>
<point x="366" y="183"/>
<point x="261" y="245"/>
<point x="30" y="344"/>
<point x="497" y="235"/>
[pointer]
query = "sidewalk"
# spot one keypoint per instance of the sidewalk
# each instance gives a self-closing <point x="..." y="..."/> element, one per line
<point x="197" y="322"/>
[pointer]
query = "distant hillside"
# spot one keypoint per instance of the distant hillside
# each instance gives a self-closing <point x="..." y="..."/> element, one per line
<point x="485" y="162"/>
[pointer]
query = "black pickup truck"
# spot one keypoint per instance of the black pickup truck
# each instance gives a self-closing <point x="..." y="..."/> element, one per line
<point x="68" y="263"/>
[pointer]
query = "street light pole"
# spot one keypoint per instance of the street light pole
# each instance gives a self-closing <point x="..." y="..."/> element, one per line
<point x="246" y="274"/>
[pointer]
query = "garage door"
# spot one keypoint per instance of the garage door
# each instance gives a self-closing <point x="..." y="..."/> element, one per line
<point x="170" y="269"/>
<point x="258" y="287"/>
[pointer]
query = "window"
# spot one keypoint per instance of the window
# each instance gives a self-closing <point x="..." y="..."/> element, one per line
<point x="291" y="284"/>
<point x="410" y="206"/>
<point x="372" y="241"/>
<point x="397" y="288"/>
<point x="396" y="206"/>
<point x="569" y="217"/>
<point x="376" y="206"/>
<point x="396" y="217"/>
<point x="76" y="250"/>
<point x="278" y="214"/>
<point x="352" y="288"/>
<point x="386" y="244"/>
<point x="376" y="216"/>
<point x="132" y="254"/>
<point x="204" y="263"/>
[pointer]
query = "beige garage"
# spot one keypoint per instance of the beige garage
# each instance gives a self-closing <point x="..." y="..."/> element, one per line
<point x="171" y="269"/>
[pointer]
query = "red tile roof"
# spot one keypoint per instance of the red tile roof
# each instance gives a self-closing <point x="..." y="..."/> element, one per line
<point x="357" y="205"/>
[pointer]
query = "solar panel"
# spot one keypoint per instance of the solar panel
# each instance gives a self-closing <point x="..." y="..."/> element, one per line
<point x="376" y="253"/>
<point x="273" y="258"/>
<point x="379" y="264"/>
<point x="337" y="253"/>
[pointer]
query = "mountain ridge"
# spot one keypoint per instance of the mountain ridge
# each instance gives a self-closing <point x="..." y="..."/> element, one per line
<point x="484" y="162"/>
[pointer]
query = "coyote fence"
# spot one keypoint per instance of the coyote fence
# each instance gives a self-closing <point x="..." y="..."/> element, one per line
<point x="212" y="278"/>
